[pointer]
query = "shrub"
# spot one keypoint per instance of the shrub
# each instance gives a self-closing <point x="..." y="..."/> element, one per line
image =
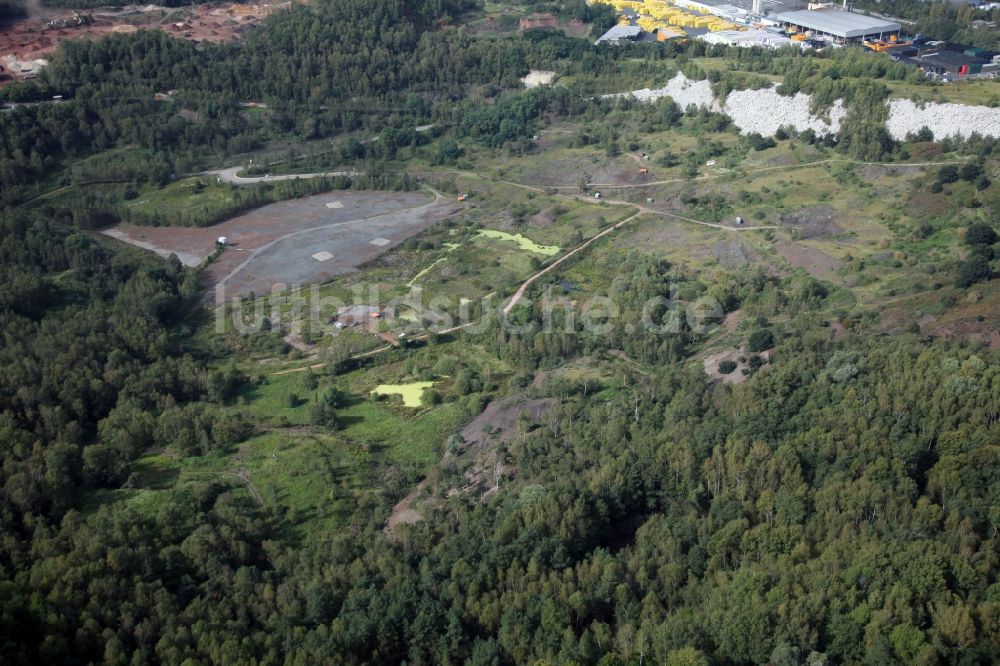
<point x="760" y="340"/>
<point x="970" y="171"/>
<point x="975" y="269"/>
<point x="948" y="174"/>
<point x="726" y="367"/>
<point x="980" y="234"/>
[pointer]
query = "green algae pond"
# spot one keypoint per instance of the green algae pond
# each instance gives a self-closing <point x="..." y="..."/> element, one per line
<point x="411" y="392"/>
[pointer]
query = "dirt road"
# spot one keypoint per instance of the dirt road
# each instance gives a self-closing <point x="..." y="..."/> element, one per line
<point x="229" y="175"/>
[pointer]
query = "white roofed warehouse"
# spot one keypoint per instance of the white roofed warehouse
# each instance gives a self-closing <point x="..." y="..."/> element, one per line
<point x="620" y="33"/>
<point x="836" y="25"/>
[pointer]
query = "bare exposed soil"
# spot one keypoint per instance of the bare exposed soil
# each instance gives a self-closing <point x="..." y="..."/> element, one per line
<point x="35" y="37"/>
<point x="711" y="365"/>
<point x="499" y="420"/>
<point x="498" y="423"/>
<point x="813" y="222"/>
<point x="816" y="262"/>
<point x="734" y="253"/>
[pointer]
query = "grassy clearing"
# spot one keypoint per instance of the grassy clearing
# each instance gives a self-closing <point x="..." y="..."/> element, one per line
<point x="985" y="93"/>
<point x="188" y="197"/>
<point x="311" y="477"/>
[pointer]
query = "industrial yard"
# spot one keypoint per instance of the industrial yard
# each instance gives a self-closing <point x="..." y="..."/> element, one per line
<point x="781" y="23"/>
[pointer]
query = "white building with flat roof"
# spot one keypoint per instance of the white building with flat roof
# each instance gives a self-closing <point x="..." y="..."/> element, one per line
<point x="837" y="25"/>
<point x="620" y="33"/>
<point x="749" y="38"/>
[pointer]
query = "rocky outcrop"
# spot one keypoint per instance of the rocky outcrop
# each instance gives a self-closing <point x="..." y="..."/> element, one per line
<point x="764" y="111"/>
<point x="944" y="120"/>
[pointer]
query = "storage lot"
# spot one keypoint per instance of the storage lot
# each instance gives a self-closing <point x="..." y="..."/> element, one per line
<point x="302" y="241"/>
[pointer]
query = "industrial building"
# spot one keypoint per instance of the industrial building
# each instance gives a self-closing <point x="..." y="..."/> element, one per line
<point x="947" y="61"/>
<point x="749" y="38"/>
<point x="740" y="10"/>
<point x="836" y="25"/>
<point x="620" y="33"/>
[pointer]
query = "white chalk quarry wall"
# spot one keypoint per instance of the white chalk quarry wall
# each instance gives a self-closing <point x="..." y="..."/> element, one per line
<point x="764" y="111"/>
<point x="945" y="120"/>
<point x="682" y="90"/>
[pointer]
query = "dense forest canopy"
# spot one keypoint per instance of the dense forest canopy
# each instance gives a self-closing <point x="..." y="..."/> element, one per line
<point x="839" y="507"/>
<point x="11" y="9"/>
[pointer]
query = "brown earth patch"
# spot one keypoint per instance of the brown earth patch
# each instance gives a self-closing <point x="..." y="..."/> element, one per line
<point x="559" y="172"/>
<point x="815" y="262"/>
<point x="734" y="253"/>
<point x="711" y="365"/>
<point x="813" y="222"/>
<point x="732" y="320"/>
<point x="404" y="513"/>
<point x="924" y="204"/>
<point x="500" y="418"/>
<point x="543" y="219"/>
<point x="871" y="172"/>
<point x="497" y="423"/>
<point x="974" y="319"/>
<point x="661" y="235"/>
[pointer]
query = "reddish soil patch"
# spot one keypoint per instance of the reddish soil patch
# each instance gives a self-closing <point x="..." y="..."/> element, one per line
<point x="871" y="172"/>
<point x="404" y="513"/>
<point x="40" y="34"/>
<point x="976" y="317"/>
<point x="781" y="160"/>
<point x="559" y="172"/>
<point x="542" y="219"/>
<point x="816" y="262"/>
<point x="658" y="234"/>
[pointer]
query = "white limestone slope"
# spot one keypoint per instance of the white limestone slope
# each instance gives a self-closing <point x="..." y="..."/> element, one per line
<point x="682" y="90"/>
<point x="764" y="111"/>
<point x="944" y="120"/>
